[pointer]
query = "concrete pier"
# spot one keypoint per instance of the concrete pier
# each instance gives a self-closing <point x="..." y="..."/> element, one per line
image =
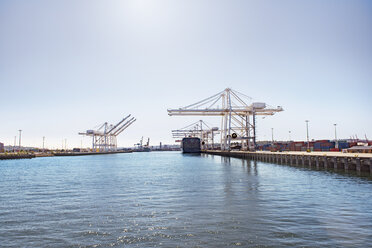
<point x="360" y="162"/>
<point x="37" y="155"/>
<point x="16" y="156"/>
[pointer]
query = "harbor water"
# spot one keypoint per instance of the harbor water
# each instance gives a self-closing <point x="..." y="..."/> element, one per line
<point x="168" y="199"/>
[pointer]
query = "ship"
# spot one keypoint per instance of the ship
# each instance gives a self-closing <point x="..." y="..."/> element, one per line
<point x="191" y="145"/>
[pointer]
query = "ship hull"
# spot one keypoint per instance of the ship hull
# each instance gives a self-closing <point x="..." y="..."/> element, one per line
<point x="191" y="145"/>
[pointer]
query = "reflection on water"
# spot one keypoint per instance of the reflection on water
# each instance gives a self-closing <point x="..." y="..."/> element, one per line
<point x="171" y="199"/>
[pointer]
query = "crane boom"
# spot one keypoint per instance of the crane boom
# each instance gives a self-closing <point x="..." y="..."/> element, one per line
<point x="113" y="128"/>
<point x="125" y="126"/>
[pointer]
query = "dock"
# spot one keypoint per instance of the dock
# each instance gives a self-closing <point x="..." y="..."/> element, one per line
<point x="360" y="162"/>
<point x="57" y="154"/>
<point x="60" y="154"/>
<point x="16" y="156"/>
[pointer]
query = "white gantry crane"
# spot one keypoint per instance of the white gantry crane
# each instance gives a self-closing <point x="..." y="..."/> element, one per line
<point x="198" y="129"/>
<point x="104" y="138"/>
<point x="238" y="121"/>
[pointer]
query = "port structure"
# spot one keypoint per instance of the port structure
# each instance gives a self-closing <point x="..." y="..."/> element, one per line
<point x="198" y="129"/>
<point x="238" y="122"/>
<point x="104" y="138"/>
<point x="140" y="147"/>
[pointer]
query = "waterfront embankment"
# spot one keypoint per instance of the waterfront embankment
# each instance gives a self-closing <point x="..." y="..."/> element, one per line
<point x="53" y="154"/>
<point x="59" y="154"/>
<point x="335" y="160"/>
<point x="16" y="156"/>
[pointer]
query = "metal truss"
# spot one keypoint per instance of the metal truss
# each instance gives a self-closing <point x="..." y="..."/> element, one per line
<point x="104" y="138"/>
<point x="198" y="129"/>
<point x="238" y="122"/>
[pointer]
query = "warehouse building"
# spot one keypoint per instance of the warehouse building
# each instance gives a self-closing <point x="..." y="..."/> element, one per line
<point x="1" y="147"/>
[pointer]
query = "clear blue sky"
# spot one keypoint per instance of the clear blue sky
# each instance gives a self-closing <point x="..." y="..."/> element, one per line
<point x="67" y="66"/>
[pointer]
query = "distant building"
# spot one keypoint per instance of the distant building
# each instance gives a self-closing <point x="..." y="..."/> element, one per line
<point x="23" y="148"/>
<point x="360" y="149"/>
<point x="1" y="147"/>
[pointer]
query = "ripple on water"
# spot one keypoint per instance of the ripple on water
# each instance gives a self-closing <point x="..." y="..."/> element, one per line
<point x="171" y="200"/>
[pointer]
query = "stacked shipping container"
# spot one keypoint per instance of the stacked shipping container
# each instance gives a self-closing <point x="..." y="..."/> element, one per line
<point x="318" y="145"/>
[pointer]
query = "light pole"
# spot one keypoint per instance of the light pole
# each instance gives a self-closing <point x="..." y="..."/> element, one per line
<point x="336" y="145"/>
<point x="289" y="134"/>
<point x="43" y="143"/>
<point x="272" y="135"/>
<point x="20" y="134"/>
<point x="15" y="143"/>
<point x="307" y="135"/>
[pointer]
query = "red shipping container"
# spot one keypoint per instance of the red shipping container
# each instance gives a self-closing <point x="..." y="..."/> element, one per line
<point x="351" y="144"/>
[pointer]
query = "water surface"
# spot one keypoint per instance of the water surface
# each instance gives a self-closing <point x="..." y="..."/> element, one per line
<point x="167" y="199"/>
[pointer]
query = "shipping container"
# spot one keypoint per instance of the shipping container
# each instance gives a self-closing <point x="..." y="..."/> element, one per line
<point x="343" y="145"/>
<point x="351" y="144"/>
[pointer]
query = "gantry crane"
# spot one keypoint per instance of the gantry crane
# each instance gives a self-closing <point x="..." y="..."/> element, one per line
<point x="236" y="122"/>
<point x="196" y="129"/>
<point x="104" y="138"/>
<point x="141" y="147"/>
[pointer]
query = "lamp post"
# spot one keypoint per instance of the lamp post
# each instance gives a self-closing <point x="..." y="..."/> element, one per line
<point x="15" y="143"/>
<point x="20" y="134"/>
<point x="336" y="145"/>
<point x="307" y="135"/>
<point x="272" y="135"/>
<point x="43" y="143"/>
<point x="289" y="134"/>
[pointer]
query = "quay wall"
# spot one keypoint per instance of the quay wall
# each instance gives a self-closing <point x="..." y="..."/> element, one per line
<point x="16" y="156"/>
<point x="336" y="160"/>
<point x="37" y="155"/>
<point x="64" y="154"/>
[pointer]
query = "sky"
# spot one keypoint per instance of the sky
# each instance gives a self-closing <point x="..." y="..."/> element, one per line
<point x="69" y="66"/>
